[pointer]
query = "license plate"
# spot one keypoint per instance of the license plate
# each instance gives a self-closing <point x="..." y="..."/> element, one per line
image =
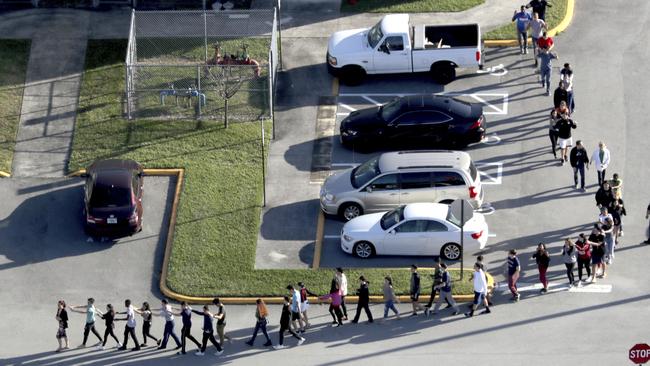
<point x="111" y="220"/>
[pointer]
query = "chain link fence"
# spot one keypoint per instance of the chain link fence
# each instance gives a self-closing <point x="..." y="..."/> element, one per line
<point x="200" y="64"/>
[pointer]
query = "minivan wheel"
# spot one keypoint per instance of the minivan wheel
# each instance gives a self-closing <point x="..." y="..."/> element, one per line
<point x="363" y="249"/>
<point x="350" y="210"/>
<point x="450" y="251"/>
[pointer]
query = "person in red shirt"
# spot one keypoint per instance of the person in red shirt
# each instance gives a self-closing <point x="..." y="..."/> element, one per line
<point x="584" y="256"/>
<point x="545" y="42"/>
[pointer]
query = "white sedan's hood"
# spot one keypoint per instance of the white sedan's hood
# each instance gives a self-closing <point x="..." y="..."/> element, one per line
<point x="347" y="42"/>
<point x="368" y="224"/>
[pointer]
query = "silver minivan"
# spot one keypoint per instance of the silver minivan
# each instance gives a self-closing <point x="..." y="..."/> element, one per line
<point x="396" y="178"/>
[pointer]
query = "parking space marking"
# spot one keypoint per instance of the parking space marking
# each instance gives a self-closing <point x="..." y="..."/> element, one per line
<point x="346" y="164"/>
<point x="371" y="100"/>
<point x="492" y="177"/>
<point x="331" y="236"/>
<point x="479" y="97"/>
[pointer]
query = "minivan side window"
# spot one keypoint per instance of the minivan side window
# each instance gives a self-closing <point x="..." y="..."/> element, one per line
<point x="447" y="179"/>
<point x="385" y="183"/>
<point x="416" y="180"/>
<point x="413" y="226"/>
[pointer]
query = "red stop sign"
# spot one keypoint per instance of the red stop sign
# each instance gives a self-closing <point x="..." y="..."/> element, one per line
<point x="640" y="353"/>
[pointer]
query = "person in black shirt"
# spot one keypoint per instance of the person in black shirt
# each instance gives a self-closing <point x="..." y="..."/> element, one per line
<point x="560" y="95"/>
<point x="564" y="125"/>
<point x="109" y="320"/>
<point x="579" y="159"/>
<point x="539" y="7"/>
<point x="597" y="241"/>
<point x="605" y="196"/>
<point x="208" y="332"/>
<point x="285" y="319"/>
<point x="364" y="300"/>
<point x="62" y="318"/>
<point x="221" y="320"/>
<point x="186" y="314"/>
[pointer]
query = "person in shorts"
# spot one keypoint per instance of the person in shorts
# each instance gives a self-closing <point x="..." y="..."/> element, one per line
<point x="564" y="125"/>
<point x="304" y="302"/>
<point x="296" y="318"/>
<point x="480" y="290"/>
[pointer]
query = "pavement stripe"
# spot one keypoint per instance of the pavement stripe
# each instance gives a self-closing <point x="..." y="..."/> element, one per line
<point x="557" y="287"/>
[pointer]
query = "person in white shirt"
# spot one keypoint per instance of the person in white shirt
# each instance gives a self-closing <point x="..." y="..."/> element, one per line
<point x="342" y="281"/>
<point x="601" y="158"/>
<point x="166" y="312"/>
<point x="129" y="328"/>
<point x="480" y="290"/>
<point x="537" y="26"/>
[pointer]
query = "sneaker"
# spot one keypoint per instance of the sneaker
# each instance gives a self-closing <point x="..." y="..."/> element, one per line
<point x="180" y="353"/>
<point x="621" y="233"/>
<point x="98" y="343"/>
<point x="301" y="341"/>
<point x="468" y="315"/>
<point x="486" y="311"/>
<point x="334" y="322"/>
<point x="81" y="346"/>
<point x="338" y="324"/>
<point x="122" y="348"/>
<point x="345" y="318"/>
<point x="218" y="353"/>
<point x="250" y="343"/>
<point x="354" y="321"/>
<point x="455" y="312"/>
<point x="594" y="280"/>
<point x="135" y="348"/>
<point x="566" y="158"/>
<point x="414" y="314"/>
<point x="158" y="342"/>
<point x="100" y="348"/>
<point x="199" y="353"/>
<point x="268" y="343"/>
<point x="143" y="345"/>
<point x="647" y="241"/>
<point x="427" y="312"/>
<point x="280" y="346"/>
<point x="577" y="186"/>
<point x="308" y="325"/>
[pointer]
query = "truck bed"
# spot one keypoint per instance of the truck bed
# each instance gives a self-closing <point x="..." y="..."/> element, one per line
<point x="428" y="37"/>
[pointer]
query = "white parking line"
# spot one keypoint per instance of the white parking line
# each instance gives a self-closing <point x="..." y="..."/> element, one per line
<point x="371" y="100"/>
<point x="331" y="236"/>
<point x="347" y="107"/>
<point x="345" y="164"/>
<point x="490" y="177"/>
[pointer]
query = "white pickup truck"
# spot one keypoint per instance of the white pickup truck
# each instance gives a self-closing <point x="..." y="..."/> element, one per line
<point x="394" y="46"/>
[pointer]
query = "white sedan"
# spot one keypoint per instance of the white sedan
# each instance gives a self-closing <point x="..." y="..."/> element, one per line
<point x="428" y="229"/>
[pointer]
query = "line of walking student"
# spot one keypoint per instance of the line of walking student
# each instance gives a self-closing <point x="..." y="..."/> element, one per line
<point x="293" y="317"/>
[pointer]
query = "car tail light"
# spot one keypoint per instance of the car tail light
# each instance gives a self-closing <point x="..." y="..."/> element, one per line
<point x="478" y="56"/>
<point x="133" y="219"/>
<point x="93" y="220"/>
<point x="472" y="192"/>
<point x="476" y="124"/>
<point x="477" y="235"/>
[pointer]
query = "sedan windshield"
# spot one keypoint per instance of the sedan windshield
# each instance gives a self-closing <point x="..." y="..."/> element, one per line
<point x="390" y="111"/>
<point x="375" y="35"/>
<point x="365" y="172"/>
<point x="391" y="218"/>
<point x="109" y="195"/>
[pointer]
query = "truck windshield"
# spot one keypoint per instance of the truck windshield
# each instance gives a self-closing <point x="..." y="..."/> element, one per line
<point x="375" y="35"/>
<point x="365" y="172"/>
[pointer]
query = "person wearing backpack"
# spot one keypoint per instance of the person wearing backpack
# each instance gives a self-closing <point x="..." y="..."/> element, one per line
<point x="445" y="292"/>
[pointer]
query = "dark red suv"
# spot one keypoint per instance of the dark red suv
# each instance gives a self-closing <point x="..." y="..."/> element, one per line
<point x="113" y="198"/>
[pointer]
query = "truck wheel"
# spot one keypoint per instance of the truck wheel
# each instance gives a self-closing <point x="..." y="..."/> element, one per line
<point x="443" y="73"/>
<point x="352" y="75"/>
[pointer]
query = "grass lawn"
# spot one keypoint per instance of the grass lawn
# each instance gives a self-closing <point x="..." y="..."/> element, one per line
<point x="219" y="211"/>
<point x="554" y="16"/>
<point x="14" y="55"/>
<point x="408" y="6"/>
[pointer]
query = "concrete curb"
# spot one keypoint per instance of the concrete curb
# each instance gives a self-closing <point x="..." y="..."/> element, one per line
<point x="564" y="24"/>
<point x="4" y="174"/>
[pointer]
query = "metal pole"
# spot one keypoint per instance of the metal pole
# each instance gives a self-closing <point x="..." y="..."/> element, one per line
<point x="462" y="252"/>
<point x="198" y="87"/>
<point x="263" y="166"/>
<point x="279" y="25"/>
<point x="272" y="94"/>
<point x="205" y="32"/>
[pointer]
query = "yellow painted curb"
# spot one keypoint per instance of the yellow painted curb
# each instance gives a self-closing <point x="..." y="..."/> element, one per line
<point x="4" y="174"/>
<point x="318" y="244"/>
<point x="564" y="24"/>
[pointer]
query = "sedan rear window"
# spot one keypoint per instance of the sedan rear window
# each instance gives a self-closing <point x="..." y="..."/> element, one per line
<point x="105" y="195"/>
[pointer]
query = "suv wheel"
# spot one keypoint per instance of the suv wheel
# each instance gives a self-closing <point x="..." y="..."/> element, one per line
<point x="363" y="249"/>
<point x="348" y="211"/>
<point x="450" y="251"/>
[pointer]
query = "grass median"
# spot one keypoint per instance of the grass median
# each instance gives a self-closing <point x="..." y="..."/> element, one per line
<point x="14" y="55"/>
<point x="408" y="6"/>
<point x="554" y="15"/>
<point x="213" y="251"/>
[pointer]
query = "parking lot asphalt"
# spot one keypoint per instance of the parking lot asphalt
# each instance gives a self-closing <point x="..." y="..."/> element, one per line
<point x="45" y="256"/>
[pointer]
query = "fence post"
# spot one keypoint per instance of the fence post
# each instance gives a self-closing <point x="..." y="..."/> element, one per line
<point x="128" y="98"/>
<point x="198" y="88"/>
<point x="279" y="25"/>
<point x="263" y="166"/>
<point x="205" y="32"/>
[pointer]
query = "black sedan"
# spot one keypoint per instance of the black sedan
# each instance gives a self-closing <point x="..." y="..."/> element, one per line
<point x="413" y="121"/>
<point x="113" y="198"/>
